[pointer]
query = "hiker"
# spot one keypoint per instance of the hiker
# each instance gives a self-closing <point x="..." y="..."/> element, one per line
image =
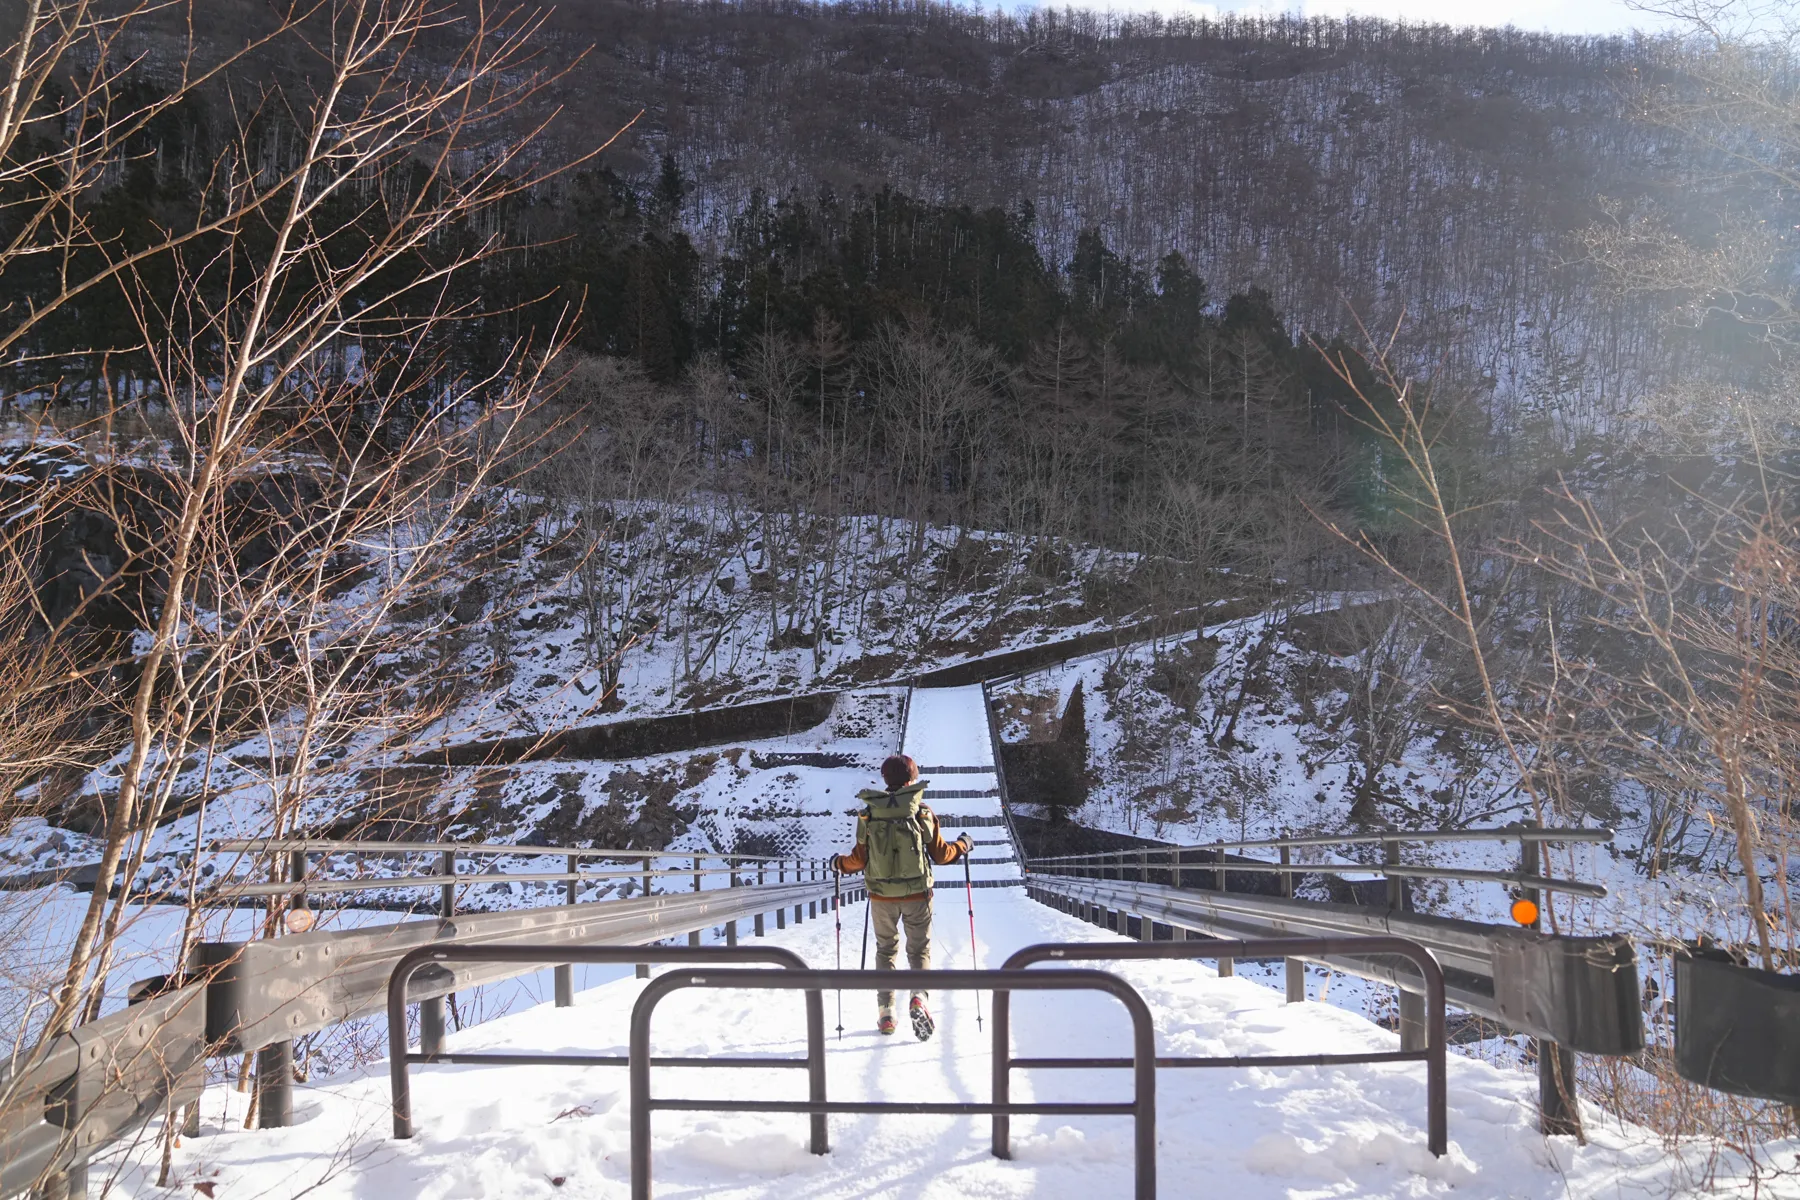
<point x="897" y="840"/>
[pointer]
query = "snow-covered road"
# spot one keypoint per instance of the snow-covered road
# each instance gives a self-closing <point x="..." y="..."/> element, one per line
<point x="947" y="734"/>
<point x="947" y="727"/>
<point x="522" y="1132"/>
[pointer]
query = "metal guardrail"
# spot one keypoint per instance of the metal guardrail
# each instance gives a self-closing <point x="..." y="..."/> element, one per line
<point x="342" y="846"/>
<point x="1173" y="862"/>
<point x="301" y="883"/>
<point x="1576" y="991"/>
<point x="1141" y="1108"/>
<point x="87" y="1090"/>
<point x="282" y="988"/>
<point x="1432" y="1054"/>
<point x="1509" y="833"/>
<point x="401" y="1057"/>
<point x="987" y="707"/>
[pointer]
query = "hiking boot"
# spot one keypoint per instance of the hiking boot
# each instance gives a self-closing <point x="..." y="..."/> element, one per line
<point x="885" y="1022"/>
<point x="923" y="1026"/>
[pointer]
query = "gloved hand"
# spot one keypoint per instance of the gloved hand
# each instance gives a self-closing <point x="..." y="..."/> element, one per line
<point x="967" y="843"/>
<point x="837" y="867"/>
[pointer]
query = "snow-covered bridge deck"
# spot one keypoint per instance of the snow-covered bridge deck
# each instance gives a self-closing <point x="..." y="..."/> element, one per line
<point x="520" y="1133"/>
<point x="528" y="1132"/>
<point x="947" y="733"/>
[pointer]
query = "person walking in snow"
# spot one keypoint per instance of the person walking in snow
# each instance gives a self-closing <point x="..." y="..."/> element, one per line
<point x="897" y="841"/>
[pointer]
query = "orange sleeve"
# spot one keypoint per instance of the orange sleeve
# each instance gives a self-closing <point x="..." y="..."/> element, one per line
<point x="942" y="853"/>
<point x="858" y="858"/>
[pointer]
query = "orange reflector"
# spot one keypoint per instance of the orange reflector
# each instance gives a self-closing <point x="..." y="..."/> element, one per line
<point x="1524" y="911"/>
<point x="299" y="920"/>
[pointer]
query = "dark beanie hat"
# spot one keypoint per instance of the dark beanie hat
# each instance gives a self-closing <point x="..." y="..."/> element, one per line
<point x="898" y="770"/>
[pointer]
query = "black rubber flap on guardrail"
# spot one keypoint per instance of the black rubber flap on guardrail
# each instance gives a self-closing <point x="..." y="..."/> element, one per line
<point x="1737" y="1028"/>
<point x="1580" y="992"/>
<point x="224" y="991"/>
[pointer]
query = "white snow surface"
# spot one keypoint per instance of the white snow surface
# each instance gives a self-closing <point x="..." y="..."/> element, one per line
<point x="948" y="727"/>
<point x="526" y="1132"/>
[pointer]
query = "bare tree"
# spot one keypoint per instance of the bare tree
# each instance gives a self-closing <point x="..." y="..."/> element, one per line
<point x="1716" y="254"/>
<point x="311" y="427"/>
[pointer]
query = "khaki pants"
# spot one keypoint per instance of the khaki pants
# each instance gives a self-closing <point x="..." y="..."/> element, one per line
<point x="889" y="915"/>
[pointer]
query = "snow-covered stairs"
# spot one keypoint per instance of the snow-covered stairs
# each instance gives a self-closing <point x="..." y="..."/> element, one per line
<point x="947" y="734"/>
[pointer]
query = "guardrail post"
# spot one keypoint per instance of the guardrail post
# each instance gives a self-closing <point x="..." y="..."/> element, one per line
<point x="69" y="1184"/>
<point x="1412" y="1021"/>
<point x="1227" y="968"/>
<point x="447" y="895"/>
<point x="431" y="1025"/>
<point x="275" y="1086"/>
<point x="565" y="973"/>
<point x="643" y="969"/>
<point x="275" y="1062"/>
<point x="297" y="873"/>
<point x="694" y="934"/>
<point x="1412" y="1005"/>
<point x="781" y="877"/>
<point x="1296" y="970"/>
<point x="757" y="921"/>
<point x="731" y="925"/>
<point x="1559" y="1111"/>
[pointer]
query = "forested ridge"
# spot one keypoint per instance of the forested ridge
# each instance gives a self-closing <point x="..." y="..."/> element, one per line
<point x="1349" y="168"/>
<point x="1344" y="166"/>
<point x="1095" y="221"/>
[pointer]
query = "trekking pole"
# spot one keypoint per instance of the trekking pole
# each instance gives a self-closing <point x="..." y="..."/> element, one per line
<point x="969" y="891"/>
<point x="862" y="964"/>
<point x="837" y="912"/>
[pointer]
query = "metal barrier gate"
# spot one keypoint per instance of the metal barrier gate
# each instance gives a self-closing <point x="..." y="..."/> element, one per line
<point x="1433" y="1055"/>
<point x="1141" y="1108"/>
<point x="401" y="1057"/>
<point x="795" y="975"/>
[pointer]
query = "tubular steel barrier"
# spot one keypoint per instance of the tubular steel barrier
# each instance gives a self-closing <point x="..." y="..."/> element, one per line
<point x="302" y="882"/>
<point x="1433" y="1055"/>
<point x="1141" y="1108"/>
<point x="401" y="1057"/>
<point x="1169" y="864"/>
<point x="1579" y="992"/>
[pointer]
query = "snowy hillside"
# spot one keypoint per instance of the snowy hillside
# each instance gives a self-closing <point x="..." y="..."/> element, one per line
<point x="680" y="609"/>
<point x="1269" y="726"/>
<point x="686" y="607"/>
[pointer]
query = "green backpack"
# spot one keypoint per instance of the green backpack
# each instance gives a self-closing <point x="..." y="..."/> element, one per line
<point x="898" y="864"/>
